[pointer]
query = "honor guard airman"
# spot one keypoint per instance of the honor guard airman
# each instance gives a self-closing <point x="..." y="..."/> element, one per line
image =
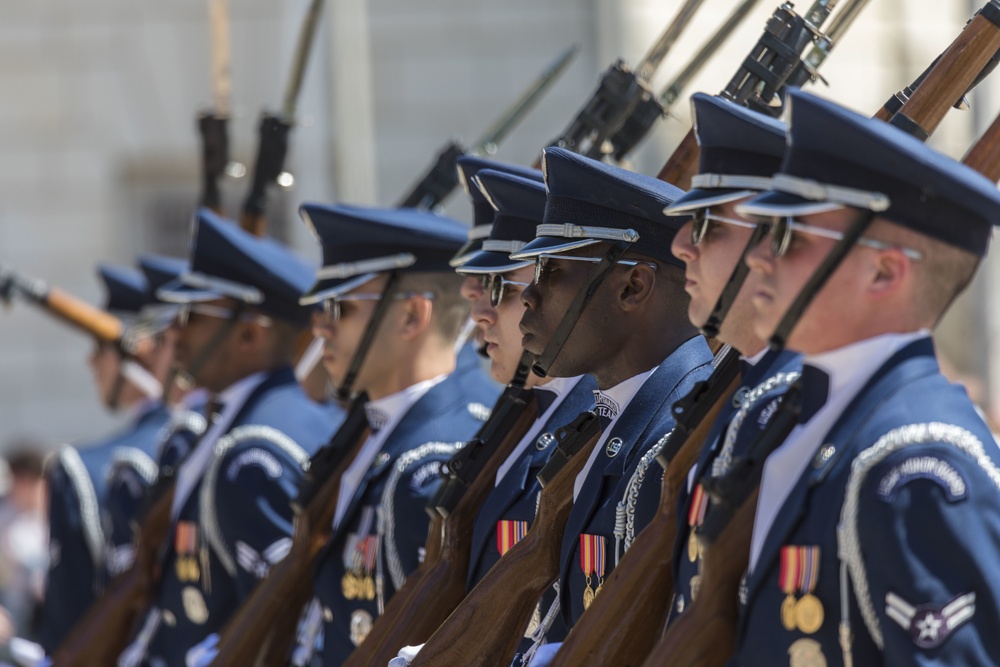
<point x="128" y="378"/>
<point x="876" y="532"/>
<point x="421" y="404"/>
<point x="739" y="152"/>
<point x="237" y="327"/>
<point x="632" y="336"/>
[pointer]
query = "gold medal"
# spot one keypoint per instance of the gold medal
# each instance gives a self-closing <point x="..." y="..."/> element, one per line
<point x="692" y="546"/>
<point x="806" y="653"/>
<point x="588" y="595"/>
<point x="809" y="613"/>
<point x="788" y="612"/>
<point x="348" y="586"/>
<point x="695" y="586"/>
<point x="600" y="587"/>
<point x="369" y="588"/>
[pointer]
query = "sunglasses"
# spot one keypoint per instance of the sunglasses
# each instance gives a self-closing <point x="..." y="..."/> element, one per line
<point x="332" y="307"/>
<point x="781" y="231"/>
<point x="541" y="262"/>
<point x="186" y="310"/>
<point x="702" y="219"/>
<point x="495" y="285"/>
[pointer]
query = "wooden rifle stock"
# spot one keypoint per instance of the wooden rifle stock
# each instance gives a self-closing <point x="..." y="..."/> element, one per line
<point x="626" y="619"/>
<point x="984" y="156"/>
<point x="77" y="313"/>
<point x="485" y="629"/>
<point x="103" y="632"/>
<point x="683" y="163"/>
<point x="705" y="635"/>
<point x="264" y="626"/>
<point x="434" y="591"/>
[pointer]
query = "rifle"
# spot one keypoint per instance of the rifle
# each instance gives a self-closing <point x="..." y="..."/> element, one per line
<point x="212" y="124"/>
<point x="623" y="93"/>
<point x="772" y="66"/>
<point x="705" y="635"/>
<point x="441" y="178"/>
<point x="637" y="125"/>
<point x="608" y="632"/>
<point x="264" y="626"/>
<point x="533" y="563"/>
<point x="79" y="314"/>
<point x="432" y="592"/>
<point x="273" y="132"/>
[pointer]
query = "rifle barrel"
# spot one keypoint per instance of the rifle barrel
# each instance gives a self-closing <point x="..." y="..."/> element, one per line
<point x="302" y="49"/>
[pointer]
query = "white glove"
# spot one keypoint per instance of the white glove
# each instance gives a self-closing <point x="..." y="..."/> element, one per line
<point x="406" y="654"/>
<point x="203" y="653"/>
<point x="543" y="656"/>
<point x="28" y="654"/>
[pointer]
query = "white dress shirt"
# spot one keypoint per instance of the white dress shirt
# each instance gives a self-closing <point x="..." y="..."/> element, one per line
<point x="561" y="387"/>
<point x="613" y="401"/>
<point x="390" y="409"/>
<point x="232" y="399"/>
<point x="849" y="368"/>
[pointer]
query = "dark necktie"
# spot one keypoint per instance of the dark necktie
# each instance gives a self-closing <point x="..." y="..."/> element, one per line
<point x="815" y="392"/>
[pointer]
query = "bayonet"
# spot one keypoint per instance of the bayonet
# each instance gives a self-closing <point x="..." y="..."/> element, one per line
<point x="212" y="124"/>
<point x="440" y="180"/>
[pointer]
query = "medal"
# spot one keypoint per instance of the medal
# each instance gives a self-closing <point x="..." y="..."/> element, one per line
<point x="367" y="588"/>
<point x="348" y="586"/>
<point x="695" y="585"/>
<point x="361" y="625"/>
<point x="809" y="613"/>
<point x="799" y="574"/>
<point x="510" y="533"/>
<point x="185" y="548"/>
<point x="806" y="653"/>
<point x="194" y="605"/>
<point x="696" y="515"/>
<point x="592" y="563"/>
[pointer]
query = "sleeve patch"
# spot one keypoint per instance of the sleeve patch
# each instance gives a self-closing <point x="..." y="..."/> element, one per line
<point x="924" y="467"/>
<point x="258" y="564"/>
<point x="257" y="457"/>
<point x="930" y="625"/>
<point x="765" y="415"/>
<point x="425" y="474"/>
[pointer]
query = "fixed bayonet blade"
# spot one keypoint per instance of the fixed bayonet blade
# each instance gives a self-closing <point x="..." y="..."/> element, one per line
<point x="647" y="66"/>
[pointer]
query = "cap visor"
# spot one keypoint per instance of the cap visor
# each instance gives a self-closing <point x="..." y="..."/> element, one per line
<point x="772" y="204"/>
<point x="469" y="249"/>
<point x="705" y="198"/>
<point x="551" y="245"/>
<point x="177" y="291"/>
<point x="492" y="262"/>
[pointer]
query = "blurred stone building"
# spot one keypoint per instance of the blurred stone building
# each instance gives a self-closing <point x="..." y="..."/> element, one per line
<point x="99" y="152"/>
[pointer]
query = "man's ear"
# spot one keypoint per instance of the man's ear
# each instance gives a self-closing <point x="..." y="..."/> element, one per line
<point x="637" y="286"/>
<point x="415" y="317"/>
<point x="890" y="270"/>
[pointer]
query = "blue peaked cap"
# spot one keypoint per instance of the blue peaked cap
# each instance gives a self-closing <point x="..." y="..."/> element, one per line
<point x="161" y="270"/>
<point x="519" y="205"/>
<point x="359" y="242"/>
<point x="739" y="151"/>
<point x="837" y="158"/>
<point x="126" y="288"/>
<point x="590" y="202"/>
<point x="468" y="167"/>
<point x="227" y="261"/>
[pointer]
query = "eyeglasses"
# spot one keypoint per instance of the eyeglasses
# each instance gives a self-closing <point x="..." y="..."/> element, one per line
<point x="782" y="229"/>
<point x="541" y="261"/>
<point x="185" y="311"/>
<point x="494" y="285"/>
<point x="332" y="306"/>
<point x="702" y="218"/>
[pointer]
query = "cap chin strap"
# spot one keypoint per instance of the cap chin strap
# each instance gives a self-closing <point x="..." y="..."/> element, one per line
<point x="736" y="279"/>
<point x="565" y="328"/>
<point x="381" y="306"/>
<point x="819" y="277"/>
<point x="187" y="378"/>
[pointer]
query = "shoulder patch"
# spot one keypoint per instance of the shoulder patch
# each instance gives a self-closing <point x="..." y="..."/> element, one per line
<point x="765" y="415"/>
<point x="254" y="457"/>
<point x="930" y="468"/>
<point x="479" y="411"/>
<point x="930" y="625"/>
<point x="424" y="474"/>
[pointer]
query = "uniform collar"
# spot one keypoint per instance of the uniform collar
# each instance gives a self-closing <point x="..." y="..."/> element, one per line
<point x="388" y="410"/>
<point x="611" y="402"/>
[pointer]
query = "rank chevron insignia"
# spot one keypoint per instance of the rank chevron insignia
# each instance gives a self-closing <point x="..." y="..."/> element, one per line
<point x="930" y="625"/>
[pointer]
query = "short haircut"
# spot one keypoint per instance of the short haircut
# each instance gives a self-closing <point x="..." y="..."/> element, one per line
<point x="450" y="310"/>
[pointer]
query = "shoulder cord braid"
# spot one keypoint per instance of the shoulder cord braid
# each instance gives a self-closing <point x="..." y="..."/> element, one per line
<point x="386" y="510"/>
<point x="724" y="461"/>
<point x="138" y="460"/>
<point x="848" y="540"/>
<point x="181" y="420"/>
<point x="211" y="530"/>
<point x="90" y="513"/>
<point x="625" y="511"/>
